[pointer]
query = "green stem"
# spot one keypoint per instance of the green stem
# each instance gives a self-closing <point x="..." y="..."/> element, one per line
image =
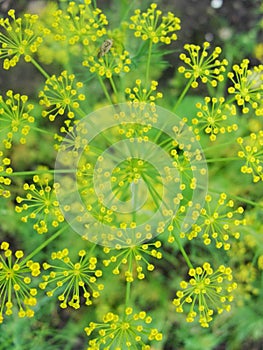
<point x="211" y="90"/>
<point x="41" y="70"/>
<point x="44" y="244"/>
<point x="231" y="100"/>
<point x="114" y="87"/>
<point x="94" y="245"/>
<point x="134" y="194"/>
<point x="148" y="61"/>
<point x="128" y="289"/>
<point x="212" y="160"/>
<point x="81" y="113"/>
<point x="128" y="293"/>
<point x="41" y="130"/>
<point x="31" y="172"/>
<point x="39" y="172"/>
<point x="104" y="89"/>
<point x="180" y="98"/>
<point x="239" y="198"/>
<point x="212" y="147"/>
<point x="183" y="253"/>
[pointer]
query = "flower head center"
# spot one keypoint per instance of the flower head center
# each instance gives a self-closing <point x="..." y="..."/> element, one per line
<point x="125" y="325"/>
<point x="10" y="273"/>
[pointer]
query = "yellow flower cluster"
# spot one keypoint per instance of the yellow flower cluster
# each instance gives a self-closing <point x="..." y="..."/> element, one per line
<point x="15" y="283"/>
<point x="213" y="117"/>
<point x="175" y="224"/>
<point x="110" y="174"/>
<point x="206" y="291"/>
<point x="128" y="332"/>
<point x="69" y="138"/>
<point x="141" y="94"/>
<point x="5" y="170"/>
<point x="79" y="26"/>
<point x="207" y="68"/>
<point x="60" y="95"/>
<point x="82" y="23"/>
<point x="15" y="118"/>
<point x="134" y="258"/>
<point x="21" y="38"/>
<point x="150" y="25"/>
<point x="252" y="152"/>
<point x="247" y="87"/>
<point x="70" y="278"/>
<point x="112" y="63"/>
<point x="42" y="204"/>
<point x="218" y="221"/>
<point x="140" y="129"/>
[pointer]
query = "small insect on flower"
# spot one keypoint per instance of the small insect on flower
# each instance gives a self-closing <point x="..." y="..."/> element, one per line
<point x="105" y="47"/>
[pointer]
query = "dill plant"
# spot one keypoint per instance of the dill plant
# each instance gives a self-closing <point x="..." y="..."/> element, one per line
<point x="64" y="43"/>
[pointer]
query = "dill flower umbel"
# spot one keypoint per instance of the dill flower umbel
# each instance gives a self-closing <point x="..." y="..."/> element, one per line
<point x="16" y="283"/>
<point x="252" y="152"/>
<point x="61" y="95"/>
<point x="247" y="86"/>
<point x="214" y="117"/>
<point x="5" y="170"/>
<point x="206" y="291"/>
<point x="178" y="218"/>
<point x="207" y="68"/>
<point x="112" y="63"/>
<point x="218" y="221"/>
<point x="134" y="258"/>
<point x="150" y="25"/>
<point x="80" y="23"/>
<point x="15" y="118"/>
<point x="72" y="279"/>
<point x="75" y="29"/>
<point x="42" y="205"/>
<point x="21" y="38"/>
<point x="141" y="94"/>
<point x="127" y="188"/>
<point x="132" y="331"/>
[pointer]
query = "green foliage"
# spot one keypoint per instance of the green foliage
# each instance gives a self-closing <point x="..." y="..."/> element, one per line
<point x="193" y="279"/>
